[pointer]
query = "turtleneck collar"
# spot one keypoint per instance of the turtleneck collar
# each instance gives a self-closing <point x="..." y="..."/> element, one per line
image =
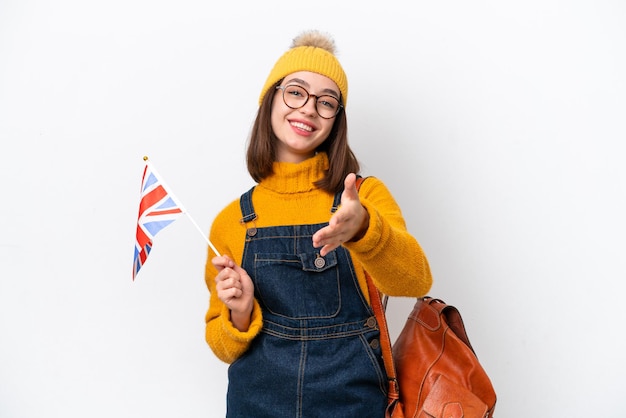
<point x="296" y="177"/>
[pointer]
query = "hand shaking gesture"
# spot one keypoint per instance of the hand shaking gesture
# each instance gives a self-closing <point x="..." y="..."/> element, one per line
<point x="349" y="223"/>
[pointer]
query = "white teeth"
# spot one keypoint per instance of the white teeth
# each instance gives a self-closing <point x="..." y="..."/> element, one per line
<point x="301" y="125"/>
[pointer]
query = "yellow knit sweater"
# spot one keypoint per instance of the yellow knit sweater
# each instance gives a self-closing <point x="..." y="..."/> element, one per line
<point x="388" y="252"/>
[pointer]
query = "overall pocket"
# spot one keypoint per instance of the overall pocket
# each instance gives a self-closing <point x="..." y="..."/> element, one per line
<point x="299" y="286"/>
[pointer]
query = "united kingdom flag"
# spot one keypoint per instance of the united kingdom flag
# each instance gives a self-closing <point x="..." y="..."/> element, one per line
<point x="158" y="208"/>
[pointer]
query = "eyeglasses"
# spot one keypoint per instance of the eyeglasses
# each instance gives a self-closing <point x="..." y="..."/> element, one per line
<point x="296" y="97"/>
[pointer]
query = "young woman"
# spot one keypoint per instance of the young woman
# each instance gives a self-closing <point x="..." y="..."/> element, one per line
<point x="289" y="307"/>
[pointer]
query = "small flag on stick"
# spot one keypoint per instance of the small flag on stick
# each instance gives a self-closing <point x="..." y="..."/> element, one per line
<point x="157" y="209"/>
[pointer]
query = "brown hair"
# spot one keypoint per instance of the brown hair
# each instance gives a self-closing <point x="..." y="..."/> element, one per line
<point x="261" y="152"/>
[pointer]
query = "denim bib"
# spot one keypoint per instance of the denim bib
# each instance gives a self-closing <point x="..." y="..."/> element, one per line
<point x="318" y="354"/>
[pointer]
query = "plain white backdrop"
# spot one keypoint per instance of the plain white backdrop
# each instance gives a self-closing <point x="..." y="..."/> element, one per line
<point x="499" y="126"/>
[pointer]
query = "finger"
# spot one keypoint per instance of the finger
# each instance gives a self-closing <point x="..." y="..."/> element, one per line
<point x="229" y="295"/>
<point x="328" y="235"/>
<point x="349" y="188"/>
<point x="328" y="248"/>
<point x="222" y="262"/>
<point x="229" y="282"/>
<point x="225" y="274"/>
<point x="238" y="269"/>
<point x="320" y="237"/>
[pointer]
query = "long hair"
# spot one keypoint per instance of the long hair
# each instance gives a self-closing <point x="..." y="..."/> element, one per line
<point x="261" y="152"/>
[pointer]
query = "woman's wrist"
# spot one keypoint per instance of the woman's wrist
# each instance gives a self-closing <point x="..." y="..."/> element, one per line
<point x="241" y="320"/>
<point x="363" y="229"/>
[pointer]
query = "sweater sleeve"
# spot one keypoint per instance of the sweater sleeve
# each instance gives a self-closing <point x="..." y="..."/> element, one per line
<point x="388" y="252"/>
<point x="226" y="341"/>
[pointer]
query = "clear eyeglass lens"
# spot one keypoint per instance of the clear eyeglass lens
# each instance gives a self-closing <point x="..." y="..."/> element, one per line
<point x="295" y="97"/>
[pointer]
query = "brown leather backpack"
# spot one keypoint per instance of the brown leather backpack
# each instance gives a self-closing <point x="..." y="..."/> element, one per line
<point x="432" y="367"/>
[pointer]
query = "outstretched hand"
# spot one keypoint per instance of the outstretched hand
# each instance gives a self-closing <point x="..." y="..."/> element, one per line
<point x="349" y="223"/>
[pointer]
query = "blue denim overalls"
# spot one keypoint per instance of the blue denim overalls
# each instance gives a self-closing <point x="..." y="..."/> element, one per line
<point x="318" y="354"/>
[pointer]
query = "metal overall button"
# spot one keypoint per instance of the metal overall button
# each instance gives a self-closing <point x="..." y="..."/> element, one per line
<point x="371" y="322"/>
<point x="375" y="344"/>
<point x="319" y="262"/>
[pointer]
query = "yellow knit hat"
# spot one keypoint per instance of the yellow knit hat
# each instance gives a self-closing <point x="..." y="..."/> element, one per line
<point x="311" y="51"/>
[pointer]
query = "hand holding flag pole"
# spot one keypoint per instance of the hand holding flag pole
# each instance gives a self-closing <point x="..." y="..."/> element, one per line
<point x="157" y="209"/>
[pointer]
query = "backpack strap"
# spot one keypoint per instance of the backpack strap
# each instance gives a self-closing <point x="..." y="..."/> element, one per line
<point x="393" y="391"/>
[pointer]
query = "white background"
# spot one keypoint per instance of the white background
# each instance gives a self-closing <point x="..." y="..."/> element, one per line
<point x="499" y="126"/>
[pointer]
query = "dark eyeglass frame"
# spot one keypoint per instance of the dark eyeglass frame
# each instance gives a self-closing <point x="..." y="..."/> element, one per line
<point x="308" y="96"/>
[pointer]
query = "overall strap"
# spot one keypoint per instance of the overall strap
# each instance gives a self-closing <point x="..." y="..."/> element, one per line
<point x="247" y="210"/>
<point x="336" y="202"/>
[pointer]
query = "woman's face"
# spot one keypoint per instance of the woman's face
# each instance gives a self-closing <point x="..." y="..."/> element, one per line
<point x="300" y="131"/>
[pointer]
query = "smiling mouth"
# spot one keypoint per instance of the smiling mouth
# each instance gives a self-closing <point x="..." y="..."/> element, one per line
<point x="302" y="126"/>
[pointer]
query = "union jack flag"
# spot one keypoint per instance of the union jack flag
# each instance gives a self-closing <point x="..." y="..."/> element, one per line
<point x="158" y="208"/>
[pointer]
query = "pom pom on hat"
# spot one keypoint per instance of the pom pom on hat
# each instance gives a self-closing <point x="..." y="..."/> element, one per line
<point x="310" y="51"/>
